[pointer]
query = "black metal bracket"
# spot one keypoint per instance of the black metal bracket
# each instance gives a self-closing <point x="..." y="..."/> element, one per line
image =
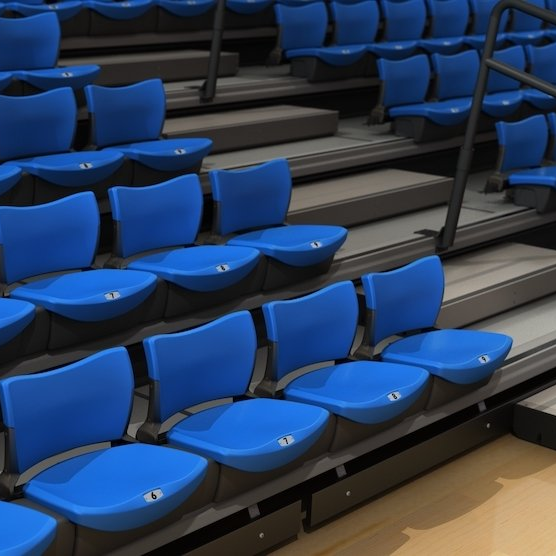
<point x="446" y="237"/>
<point x="207" y="90"/>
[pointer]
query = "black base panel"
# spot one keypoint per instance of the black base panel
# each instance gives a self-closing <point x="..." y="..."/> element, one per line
<point x="168" y="22"/>
<point x="20" y="195"/>
<point x="316" y="70"/>
<point x="100" y="25"/>
<point x="264" y="18"/>
<point x="443" y="391"/>
<point x="279" y="275"/>
<point x="534" y="419"/>
<point x="76" y="26"/>
<point x="422" y="130"/>
<point x="66" y="332"/>
<point x="541" y="198"/>
<point x="143" y="175"/>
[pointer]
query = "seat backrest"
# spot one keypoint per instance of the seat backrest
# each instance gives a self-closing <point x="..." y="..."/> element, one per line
<point x="551" y="120"/>
<point x="56" y="236"/>
<point x="448" y="18"/>
<point x="523" y="143"/>
<point x="258" y="196"/>
<point x="156" y="216"/>
<point x="29" y="42"/>
<point x="83" y="403"/>
<point x="403" y="19"/>
<point x="525" y="22"/>
<point x="405" y="299"/>
<point x="355" y="23"/>
<point x="404" y="81"/>
<point x="37" y="124"/>
<point x="480" y="14"/>
<point x="456" y="74"/>
<point x="211" y="362"/>
<point x="128" y="114"/>
<point x="541" y="61"/>
<point x="301" y="26"/>
<point x="513" y="56"/>
<point x="312" y="329"/>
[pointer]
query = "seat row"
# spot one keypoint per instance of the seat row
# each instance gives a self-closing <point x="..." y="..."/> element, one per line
<point x="109" y="496"/>
<point x="526" y="162"/>
<point x="166" y="274"/>
<point x="37" y="131"/>
<point x="356" y="41"/>
<point x="430" y="98"/>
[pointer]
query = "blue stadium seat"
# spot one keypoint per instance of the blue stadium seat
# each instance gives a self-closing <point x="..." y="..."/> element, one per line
<point x="29" y="49"/>
<point x="190" y="8"/>
<point x="249" y="435"/>
<point x="405" y="84"/>
<point x="61" y="237"/>
<point x="448" y="23"/>
<point x="254" y="202"/>
<point x="130" y="119"/>
<point x="541" y="64"/>
<point x="407" y="301"/>
<point x="302" y="32"/>
<point x="63" y="10"/>
<point x="42" y="127"/>
<point x="404" y="24"/>
<point x="504" y="96"/>
<point x="248" y="7"/>
<point x="319" y="328"/>
<point x="198" y="275"/>
<point x="108" y="490"/>
<point x="24" y="531"/>
<point x="480" y="15"/>
<point x="526" y="29"/>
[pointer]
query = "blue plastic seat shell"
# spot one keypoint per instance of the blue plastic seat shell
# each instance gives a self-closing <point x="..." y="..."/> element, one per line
<point x="91" y="295"/>
<point x="15" y="316"/>
<point x="543" y="177"/>
<point x="499" y="105"/>
<point x="248" y="7"/>
<point x="9" y="176"/>
<point x="393" y="50"/>
<point x="539" y="100"/>
<point x="64" y="10"/>
<point x="202" y="268"/>
<point x="5" y="79"/>
<point x="190" y="8"/>
<point x="252" y="435"/>
<point x="296" y="245"/>
<point x="129" y="9"/>
<point x="457" y="356"/>
<point x="75" y="77"/>
<point x="446" y="112"/>
<point x="24" y="531"/>
<point x="368" y="392"/>
<point x="75" y="169"/>
<point x="112" y="489"/>
<point x="344" y="55"/>
<point x="444" y="45"/>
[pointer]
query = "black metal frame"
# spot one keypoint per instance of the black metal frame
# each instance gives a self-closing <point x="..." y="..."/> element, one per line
<point x="446" y="236"/>
<point x="207" y="90"/>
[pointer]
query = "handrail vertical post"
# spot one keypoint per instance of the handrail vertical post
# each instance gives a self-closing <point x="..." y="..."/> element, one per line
<point x="208" y="88"/>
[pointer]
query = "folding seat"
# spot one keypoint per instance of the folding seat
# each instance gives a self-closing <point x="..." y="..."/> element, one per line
<point x="541" y="64"/>
<point x="404" y="87"/>
<point x="404" y="24"/>
<point x="319" y="329"/>
<point x="177" y="15"/>
<point x="74" y="20"/>
<point x="130" y="119"/>
<point x="253" y="440"/>
<point x="113" y="493"/>
<point x="250" y="210"/>
<point x="197" y="276"/>
<point x="61" y="237"/>
<point x="36" y="133"/>
<point x="24" y="330"/>
<point x="448" y="23"/>
<point x="29" y="49"/>
<point x="526" y="29"/>
<point x="480" y="16"/>
<point x="24" y="531"/>
<point x="113" y="17"/>
<point x="301" y="38"/>
<point x="406" y="302"/>
<point x="521" y="164"/>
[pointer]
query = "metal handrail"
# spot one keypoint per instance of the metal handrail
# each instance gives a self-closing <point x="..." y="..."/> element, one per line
<point x="446" y="236"/>
<point x="207" y="91"/>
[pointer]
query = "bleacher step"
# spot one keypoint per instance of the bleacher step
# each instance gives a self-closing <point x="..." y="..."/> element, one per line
<point x="365" y="197"/>
<point x="255" y="127"/>
<point x="176" y="65"/>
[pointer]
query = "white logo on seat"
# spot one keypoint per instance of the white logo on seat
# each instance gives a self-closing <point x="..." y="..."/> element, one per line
<point x="483" y="359"/>
<point x="505" y="102"/>
<point x="454" y="110"/>
<point x="346" y="50"/>
<point x="86" y="165"/>
<point x="125" y="4"/>
<point x="111" y="296"/>
<point x="153" y="495"/>
<point x="67" y="74"/>
<point x="179" y="151"/>
<point x="222" y="267"/>
<point x="398" y="47"/>
<point x="286" y="440"/>
<point x="52" y="6"/>
<point x="315" y="244"/>
<point x="393" y="396"/>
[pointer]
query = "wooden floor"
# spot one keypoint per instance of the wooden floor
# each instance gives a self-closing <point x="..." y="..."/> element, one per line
<point x="499" y="500"/>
